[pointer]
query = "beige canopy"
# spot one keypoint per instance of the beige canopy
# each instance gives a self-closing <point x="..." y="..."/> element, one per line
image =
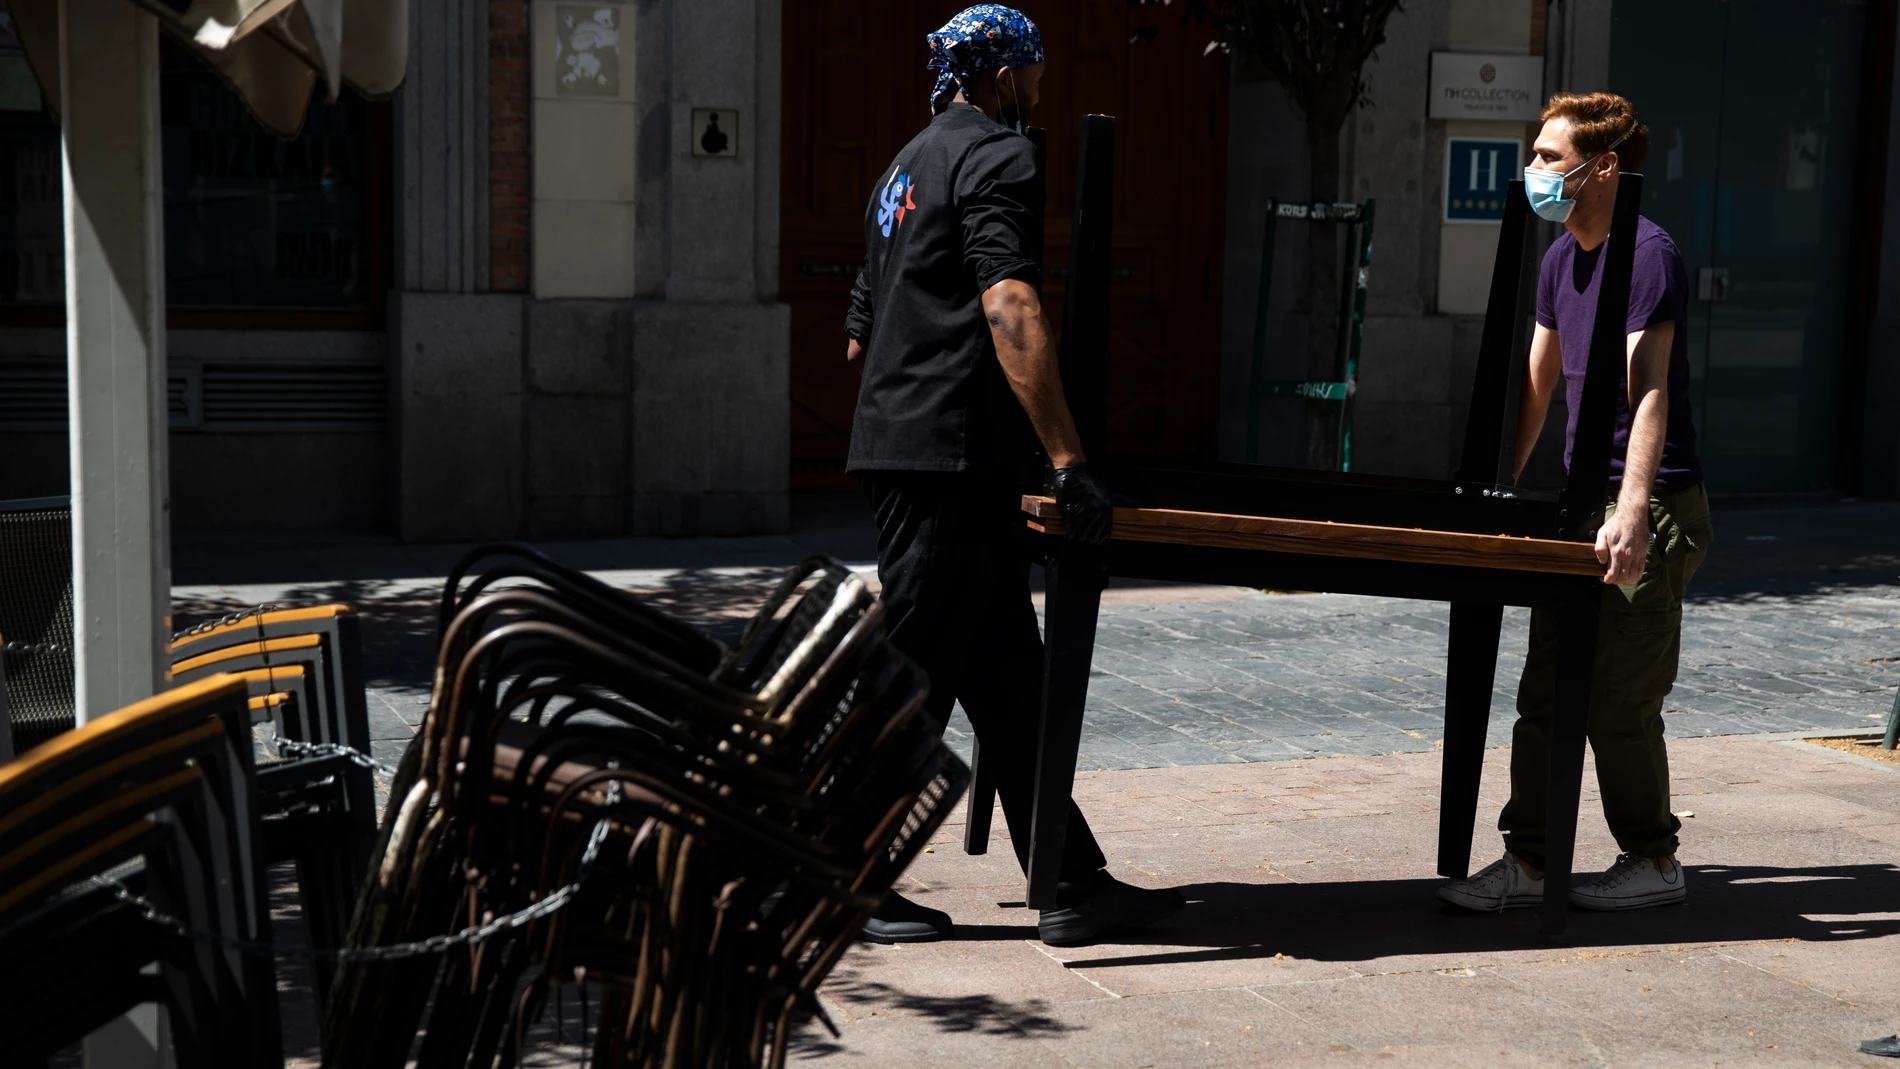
<point x="272" y="52"/>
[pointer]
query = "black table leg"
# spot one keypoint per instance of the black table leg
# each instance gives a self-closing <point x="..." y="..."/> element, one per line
<point x="1470" y="674"/>
<point x="981" y="799"/>
<point x="1576" y="664"/>
<point x="1074" y="577"/>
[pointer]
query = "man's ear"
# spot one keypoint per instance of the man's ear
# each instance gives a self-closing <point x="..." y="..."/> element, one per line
<point x="1610" y="165"/>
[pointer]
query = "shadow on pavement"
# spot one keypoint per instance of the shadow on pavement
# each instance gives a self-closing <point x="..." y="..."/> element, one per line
<point x="1362" y="920"/>
<point x="1799" y="548"/>
<point x="984" y="1015"/>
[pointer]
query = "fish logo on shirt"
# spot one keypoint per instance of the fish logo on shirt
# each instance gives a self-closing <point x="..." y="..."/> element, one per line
<point x="895" y="201"/>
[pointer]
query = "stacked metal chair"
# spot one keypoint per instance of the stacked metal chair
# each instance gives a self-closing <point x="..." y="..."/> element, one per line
<point x="36" y="619"/>
<point x="130" y="843"/>
<point x="602" y="792"/>
<point x="303" y="672"/>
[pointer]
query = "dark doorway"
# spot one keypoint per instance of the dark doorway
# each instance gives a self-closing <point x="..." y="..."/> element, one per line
<point x="856" y="90"/>
<point x="1753" y="109"/>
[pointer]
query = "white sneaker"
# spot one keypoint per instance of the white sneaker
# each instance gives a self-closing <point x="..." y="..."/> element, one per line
<point x="1633" y="883"/>
<point x="1503" y="884"/>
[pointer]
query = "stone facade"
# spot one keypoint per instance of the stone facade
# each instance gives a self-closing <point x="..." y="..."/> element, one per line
<point x="1429" y="279"/>
<point x="638" y="382"/>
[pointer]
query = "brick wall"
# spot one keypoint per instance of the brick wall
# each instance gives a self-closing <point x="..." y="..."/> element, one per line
<point x="508" y="159"/>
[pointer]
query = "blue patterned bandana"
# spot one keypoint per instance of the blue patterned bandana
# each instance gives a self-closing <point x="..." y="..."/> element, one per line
<point x="979" y="39"/>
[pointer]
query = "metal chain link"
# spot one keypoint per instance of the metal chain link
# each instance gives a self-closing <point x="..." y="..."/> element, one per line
<point x="435" y="944"/>
<point x="294" y="748"/>
<point x="222" y="621"/>
<point x="36" y="647"/>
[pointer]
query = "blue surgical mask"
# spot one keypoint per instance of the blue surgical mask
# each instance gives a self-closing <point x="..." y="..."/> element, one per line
<point x="1546" y="192"/>
<point x="1546" y="188"/>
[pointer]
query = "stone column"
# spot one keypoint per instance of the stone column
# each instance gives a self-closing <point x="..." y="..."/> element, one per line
<point x="455" y="349"/>
<point x="711" y="343"/>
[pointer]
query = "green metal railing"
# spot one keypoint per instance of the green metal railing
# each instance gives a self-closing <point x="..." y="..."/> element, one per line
<point x="1352" y="317"/>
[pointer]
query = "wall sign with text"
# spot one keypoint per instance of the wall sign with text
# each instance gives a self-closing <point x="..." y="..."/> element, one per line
<point x="1478" y="171"/>
<point x="1479" y="85"/>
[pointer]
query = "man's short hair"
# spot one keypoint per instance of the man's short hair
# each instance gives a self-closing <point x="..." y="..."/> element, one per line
<point x="1597" y="122"/>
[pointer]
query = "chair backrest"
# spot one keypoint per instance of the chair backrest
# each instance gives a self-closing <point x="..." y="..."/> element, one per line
<point x="36" y="616"/>
<point x="326" y="638"/>
<point x="168" y="780"/>
<point x="329" y="704"/>
<point x="109" y="771"/>
<point x="252" y="626"/>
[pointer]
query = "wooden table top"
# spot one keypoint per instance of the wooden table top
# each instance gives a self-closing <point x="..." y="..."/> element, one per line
<point x="1327" y="539"/>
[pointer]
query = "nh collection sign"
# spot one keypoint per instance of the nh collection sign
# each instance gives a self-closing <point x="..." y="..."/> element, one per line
<point x="1476" y="85"/>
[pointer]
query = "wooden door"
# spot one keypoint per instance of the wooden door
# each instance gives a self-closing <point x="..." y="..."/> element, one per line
<point x="856" y="89"/>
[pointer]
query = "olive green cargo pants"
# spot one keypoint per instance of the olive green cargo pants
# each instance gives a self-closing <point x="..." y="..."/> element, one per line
<point x="1638" y="641"/>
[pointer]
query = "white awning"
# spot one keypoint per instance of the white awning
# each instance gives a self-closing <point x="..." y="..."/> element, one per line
<point x="273" y="53"/>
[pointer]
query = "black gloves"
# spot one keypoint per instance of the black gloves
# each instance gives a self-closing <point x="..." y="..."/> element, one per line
<point x="1087" y="515"/>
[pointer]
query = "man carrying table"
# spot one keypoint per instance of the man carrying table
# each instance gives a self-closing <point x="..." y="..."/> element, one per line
<point x="946" y="325"/>
<point x="1655" y="533"/>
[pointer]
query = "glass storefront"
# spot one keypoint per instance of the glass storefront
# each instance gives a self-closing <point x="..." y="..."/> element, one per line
<point x="251" y="221"/>
<point x="1752" y="109"/>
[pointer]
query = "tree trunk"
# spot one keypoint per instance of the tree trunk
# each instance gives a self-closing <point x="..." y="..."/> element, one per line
<point x="1320" y="425"/>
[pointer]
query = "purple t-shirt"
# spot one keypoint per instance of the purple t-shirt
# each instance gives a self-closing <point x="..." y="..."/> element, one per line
<point x="1567" y="303"/>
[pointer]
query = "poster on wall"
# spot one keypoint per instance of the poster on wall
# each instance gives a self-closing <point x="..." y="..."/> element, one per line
<point x="1478" y="172"/>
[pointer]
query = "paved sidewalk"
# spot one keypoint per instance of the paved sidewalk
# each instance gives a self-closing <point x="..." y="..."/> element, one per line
<point x="1275" y="754"/>
<point x="1313" y="937"/>
<point x="1792" y="626"/>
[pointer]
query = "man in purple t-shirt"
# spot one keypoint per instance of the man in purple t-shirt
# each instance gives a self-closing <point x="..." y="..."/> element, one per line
<point x="1655" y="533"/>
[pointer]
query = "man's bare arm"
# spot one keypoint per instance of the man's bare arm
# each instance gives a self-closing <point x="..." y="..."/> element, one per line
<point x="1026" y="348"/>
<point x="1540" y="384"/>
<point x="1623" y="542"/>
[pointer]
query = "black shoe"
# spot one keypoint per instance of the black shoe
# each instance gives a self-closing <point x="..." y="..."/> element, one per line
<point x="899" y="920"/>
<point x="1884" y="1048"/>
<point x="1116" y="906"/>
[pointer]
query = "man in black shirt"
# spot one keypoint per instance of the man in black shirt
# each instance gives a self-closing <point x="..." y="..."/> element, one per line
<point x="959" y="367"/>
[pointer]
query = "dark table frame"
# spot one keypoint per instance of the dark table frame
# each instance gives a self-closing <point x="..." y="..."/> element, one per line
<point x="1473" y="503"/>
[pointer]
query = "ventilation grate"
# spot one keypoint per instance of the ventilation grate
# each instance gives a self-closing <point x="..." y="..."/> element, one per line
<point x="32" y="393"/>
<point x="259" y="396"/>
<point x="294" y="396"/>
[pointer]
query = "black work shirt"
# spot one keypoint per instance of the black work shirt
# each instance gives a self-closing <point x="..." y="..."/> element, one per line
<point x="958" y="211"/>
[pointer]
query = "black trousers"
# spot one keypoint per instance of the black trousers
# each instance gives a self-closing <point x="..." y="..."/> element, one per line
<point x="956" y="592"/>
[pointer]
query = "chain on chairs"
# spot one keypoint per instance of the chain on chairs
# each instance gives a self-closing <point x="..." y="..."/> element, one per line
<point x="303" y="668"/>
<point x="699" y="830"/>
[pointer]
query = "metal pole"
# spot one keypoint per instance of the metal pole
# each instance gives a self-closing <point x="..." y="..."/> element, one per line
<point x="115" y="347"/>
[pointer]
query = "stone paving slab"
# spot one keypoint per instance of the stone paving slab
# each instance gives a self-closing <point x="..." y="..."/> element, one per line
<point x="1195" y="676"/>
<point x="1793" y="625"/>
<point x="1313" y="936"/>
